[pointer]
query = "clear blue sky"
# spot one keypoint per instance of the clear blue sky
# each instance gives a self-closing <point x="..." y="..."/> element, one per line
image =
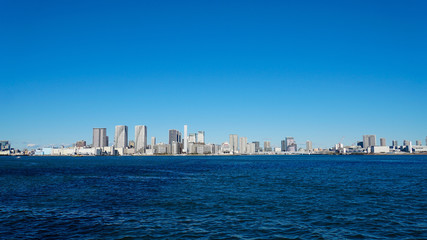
<point x="318" y="70"/>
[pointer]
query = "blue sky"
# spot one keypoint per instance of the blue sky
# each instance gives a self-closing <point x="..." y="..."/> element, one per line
<point x="328" y="71"/>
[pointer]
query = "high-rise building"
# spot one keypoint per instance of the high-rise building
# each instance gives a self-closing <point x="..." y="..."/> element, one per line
<point x="267" y="146"/>
<point x="100" y="138"/>
<point x="256" y="146"/>
<point x="140" y="138"/>
<point x="369" y="141"/>
<point x="234" y="143"/>
<point x="283" y="145"/>
<point x="291" y="145"/>
<point x="243" y="145"/>
<point x="185" y="139"/>
<point x="308" y="146"/>
<point x="153" y="142"/>
<point x="174" y="135"/>
<point x="121" y="136"/>
<point x="383" y="142"/>
<point x="394" y="144"/>
<point x="418" y="143"/>
<point x="192" y="138"/>
<point x="201" y="137"/>
<point x="405" y="143"/>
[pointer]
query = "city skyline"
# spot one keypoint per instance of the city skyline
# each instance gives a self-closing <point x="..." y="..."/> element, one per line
<point x="326" y="72"/>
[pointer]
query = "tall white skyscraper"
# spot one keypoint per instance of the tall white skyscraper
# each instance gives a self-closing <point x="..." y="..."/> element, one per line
<point x="121" y="136"/>
<point x="100" y="138"/>
<point x="185" y="139"/>
<point x="234" y="142"/>
<point x="200" y="137"/>
<point x="140" y="138"/>
<point x="153" y="142"/>
<point x="243" y="145"/>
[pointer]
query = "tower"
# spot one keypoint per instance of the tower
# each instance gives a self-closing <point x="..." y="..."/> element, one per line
<point x="140" y="138"/>
<point x="121" y="136"/>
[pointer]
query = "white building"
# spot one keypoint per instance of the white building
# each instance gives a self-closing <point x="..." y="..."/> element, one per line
<point x="140" y="138"/>
<point x="200" y="137"/>
<point x="243" y="145"/>
<point x="121" y="136"/>
<point x="234" y="143"/>
<point x="380" y="149"/>
<point x="185" y="150"/>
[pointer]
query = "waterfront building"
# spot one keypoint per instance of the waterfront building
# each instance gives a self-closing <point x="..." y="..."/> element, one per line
<point x="201" y="137"/>
<point x="81" y="143"/>
<point x="369" y="141"/>
<point x="250" y="149"/>
<point x="121" y="136"/>
<point x="174" y="135"/>
<point x="283" y="145"/>
<point x="257" y="149"/>
<point x="140" y="138"/>
<point x="100" y="138"/>
<point x="192" y="138"/>
<point x="175" y="148"/>
<point x="226" y="148"/>
<point x="185" y="149"/>
<point x="153" y="142"/>
<point x="243" y="145"/>
<point x="234" y="143"/>
<point x="291" y="145"/>
<point x="394" y="144"/>
<point x="267" y="146"/>
<point x="405" y="143"/>
<point x="4" y="145"/>
<point x="383" y="142"/>
<point x="308" y="146"/>
<point x="418" y="143"/>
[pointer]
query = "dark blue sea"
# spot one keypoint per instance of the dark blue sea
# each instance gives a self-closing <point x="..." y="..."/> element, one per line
<point x="242" y="197"/>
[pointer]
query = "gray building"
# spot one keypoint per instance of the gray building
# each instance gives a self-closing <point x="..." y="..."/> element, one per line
<point x="243" y="145"/>
<point x="153" y="142"/>
<point x="418" y="143"/>
<point x="267" y="146"/>
<point x="121" y="136"/>
<point x="256" y="146"/>
<point x="140" y="138"/>
<point x="283" y="145"/>
<point x="308" y="146"/>
<point x="291" y="145"/>
<point x="405" y="143"/>
<point x="174" y="136"/>
<point x="383" y="142"/>
<point x="4" y="146"/>
<point x="100" y="138"/>
<point x="234" y="142"/>
<point x="369" y="141"/>
<point x="394" y="143"/>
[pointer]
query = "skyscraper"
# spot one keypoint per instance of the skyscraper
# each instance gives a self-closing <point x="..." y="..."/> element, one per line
<point x="185" y="139"/>
<point x="308" y="146"/>
<point x="383" y="142"/>
<point x="369" y="141"/>
<point x="174" y="136"/>
<point x="234" y="142"/>
<point x="418" y="142"/>
<point x="201" y="137"/>
<point x="100" y="138"/>
<point x="256" y="146"/>
<point x="283" y="145"/>
<point x="267" y="146"/>
<point x="291" y="146"/>
<point x="405" y="143"/>
<point x="243" y="145"/>
<point x="153" y="142"/>
<point x="140" y="138"/>
<point x="394" y="143"/>
<point x="121" y="136"/>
